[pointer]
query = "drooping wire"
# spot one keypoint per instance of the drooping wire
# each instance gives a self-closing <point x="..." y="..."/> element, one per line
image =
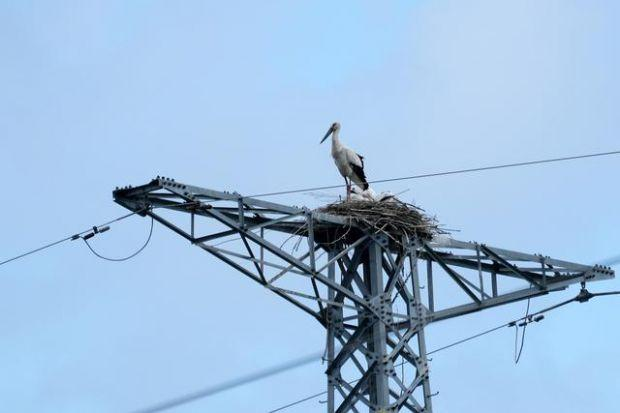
<point x="148" y="239"/>
<point x="456" y="343"/>
<point x="68" y="238"/>
<point x="453" y="172"/>
<point x="309" y="359"/>
<point x="524" y="327"/>
<point x="529" y="318"/>
<point x="428" y="175"/>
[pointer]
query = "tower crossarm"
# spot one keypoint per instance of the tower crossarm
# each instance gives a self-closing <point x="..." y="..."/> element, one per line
<point x="499" y="276"/>
<point x="460" y="277"/>
<point x="374" y="294"/>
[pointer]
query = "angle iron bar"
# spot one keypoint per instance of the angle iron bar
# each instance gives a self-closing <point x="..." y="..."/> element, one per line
<point x="170" y="225"/>
<point x="417" y="382"/>
<point x="256" y="260"/>
<point x="289" y="268"/>
<point x="266" y="223"/>
<point x="260" y="241"/>
<point x="344" y="263"/>
<point x="334" y="318"/>
<point x="396" y="350"/>
<point x="344" y="385"/>
<point x="343" y="338"/>
<point x="410" y="355"/>
<point x="483" y="294"/>
<point x="355" y="391"/>
<point x="488" y="303"/>
<point x="453" y="274"/>
<point x="195" y="190"/>
<point x="480" y="277"/>
<point x="515" y="255"/>
<point x="249" y="210"/>
<point x="312" y="249"/>
<point x="248" y="273"/>
<point x="430" y="285"/>
<point x="137" y="191"/>
<point x="349" y="347"/>
<point x="308" y="296"/>
<point x="406" y="352"/>
<point x="475" y="264"/>
<point x="420" y="312"/>
<point x="351" y="270"/>
<point x="402" y="289"/>
<point x="343" y="252"/>
<point x="408" y="396"/>
<point x="496" y="257"/>
<point x="395" y="275"/>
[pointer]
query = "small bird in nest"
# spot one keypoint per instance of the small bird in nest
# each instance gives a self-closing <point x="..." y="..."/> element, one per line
<point x="370" y="195"/>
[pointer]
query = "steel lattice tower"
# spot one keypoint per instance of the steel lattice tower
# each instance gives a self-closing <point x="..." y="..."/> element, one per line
<point x="365" y="289"/>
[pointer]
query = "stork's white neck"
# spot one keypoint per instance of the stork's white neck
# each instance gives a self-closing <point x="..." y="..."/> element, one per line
<point x="336" y="145"/>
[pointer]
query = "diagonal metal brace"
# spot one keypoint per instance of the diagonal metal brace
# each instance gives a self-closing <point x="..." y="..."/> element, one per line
<point x="489" y="252"/>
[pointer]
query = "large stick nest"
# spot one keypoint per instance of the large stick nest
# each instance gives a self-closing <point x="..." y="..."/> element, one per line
<point x="393" y="218"/>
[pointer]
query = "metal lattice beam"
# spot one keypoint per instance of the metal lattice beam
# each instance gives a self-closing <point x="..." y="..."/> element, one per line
<point x="365" y="289"/>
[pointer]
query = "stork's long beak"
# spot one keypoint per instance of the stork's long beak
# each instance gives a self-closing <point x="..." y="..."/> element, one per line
<point x="329" y="132"/>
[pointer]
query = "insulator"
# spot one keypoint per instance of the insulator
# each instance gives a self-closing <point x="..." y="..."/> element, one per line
<point x="88" y="236"/>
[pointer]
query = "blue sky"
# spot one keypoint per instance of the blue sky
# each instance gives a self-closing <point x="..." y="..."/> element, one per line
<point x="236" y="96"/>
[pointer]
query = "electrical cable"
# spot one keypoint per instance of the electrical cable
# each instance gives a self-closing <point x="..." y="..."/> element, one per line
<point x="148" y="239"/>
<point x="300" y="362"/>
<point x="69" y="238"/>
<point x="529" y="318"/>
<point x="534" y="317"/>
<point x="453" y="172"/>
<point x="218" y="388"/>
<point x="518" y="354"/>
<point x="303" y="400"/>
<point x="456" y="343"/>
<point x="247" y="379"/>
<point x="427" y="175"/>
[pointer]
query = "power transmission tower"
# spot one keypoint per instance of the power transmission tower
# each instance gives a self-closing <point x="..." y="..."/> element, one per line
<point x="374" y="295"/>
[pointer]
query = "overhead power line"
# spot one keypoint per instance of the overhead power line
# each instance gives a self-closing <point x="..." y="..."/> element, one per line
<point x="94" y="229"/>
<point x="524" y="328"/>
<point x="583" y="296"/>
<point x="210" y="391"/>
<point x="404" y="178"/>
<point x="148" y="239"/>
<point x="453" y="172"/>
<point x="218" y="388"/>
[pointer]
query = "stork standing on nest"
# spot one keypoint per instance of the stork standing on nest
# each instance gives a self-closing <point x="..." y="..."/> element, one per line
<point x="349" y="164"/>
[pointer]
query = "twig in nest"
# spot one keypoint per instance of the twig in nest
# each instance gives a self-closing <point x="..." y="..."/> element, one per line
<point x="394" y="219"/>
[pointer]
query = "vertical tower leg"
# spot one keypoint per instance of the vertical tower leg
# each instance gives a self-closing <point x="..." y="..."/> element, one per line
<point x="373" y="277"/>
<point x="367" y="339"/>
<point x="419" y="315"/>
<point x="331" y="327"/>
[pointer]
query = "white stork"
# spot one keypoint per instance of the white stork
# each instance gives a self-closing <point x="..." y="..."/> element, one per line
<point x="350" y="164"/>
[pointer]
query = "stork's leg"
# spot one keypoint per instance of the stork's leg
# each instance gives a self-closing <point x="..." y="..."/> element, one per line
<point x="346" y="181"/>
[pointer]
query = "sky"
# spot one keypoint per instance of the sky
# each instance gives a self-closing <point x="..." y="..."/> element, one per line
<point x="236" y="96"/>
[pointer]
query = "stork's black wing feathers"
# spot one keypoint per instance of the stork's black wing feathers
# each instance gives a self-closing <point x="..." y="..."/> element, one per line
<point x="359" y="172"/>
<point x="361" y="159"/>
